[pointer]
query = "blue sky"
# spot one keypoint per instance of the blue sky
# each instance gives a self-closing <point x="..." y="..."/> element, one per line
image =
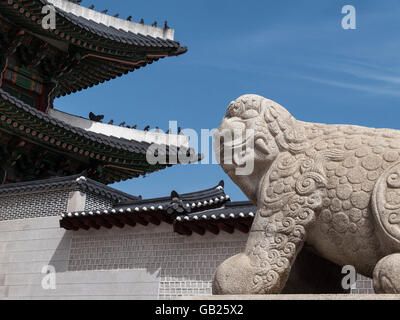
<point x="294" y="52"/>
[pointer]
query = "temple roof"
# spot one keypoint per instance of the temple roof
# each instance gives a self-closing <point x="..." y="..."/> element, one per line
<point x="76" y="182"/>
<point x="230" y="216"/>
<point x="209" y="210"/>
<point x="106" y="158"/>
<point x="114" y="28"/>
<point x="154" y="211"/>
<point x="91" y="47"/>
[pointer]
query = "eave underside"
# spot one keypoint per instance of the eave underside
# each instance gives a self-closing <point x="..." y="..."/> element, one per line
<point x="88" y="53"/>
<point x="201" y="212"/>
<point x="106" y="159"/>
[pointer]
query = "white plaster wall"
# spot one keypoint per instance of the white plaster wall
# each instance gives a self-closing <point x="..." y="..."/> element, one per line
<point x="26" y="246"/>
<point x="186" y="264"/>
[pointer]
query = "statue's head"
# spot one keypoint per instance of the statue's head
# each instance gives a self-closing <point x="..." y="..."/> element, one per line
<point x="252" y="134"/>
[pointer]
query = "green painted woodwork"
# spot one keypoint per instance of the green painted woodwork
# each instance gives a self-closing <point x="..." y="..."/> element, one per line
<point x="113" y="165"/>
<point x="29" y="100"/>
<point x="23" y="79"/>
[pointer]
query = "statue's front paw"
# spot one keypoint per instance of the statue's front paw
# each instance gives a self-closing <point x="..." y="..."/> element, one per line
<point x="234" y="276"/>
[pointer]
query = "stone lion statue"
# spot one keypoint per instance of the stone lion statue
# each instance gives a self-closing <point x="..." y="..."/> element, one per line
<point x="335" y="188"/>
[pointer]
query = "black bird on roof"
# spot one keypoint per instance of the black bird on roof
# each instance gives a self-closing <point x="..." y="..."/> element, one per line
<point x="154" y="24"/>
<point x="142" y="21"/>
<point x="116" y="15"/>
<point x="111" y="122"/>
<point x="122" y="124"/>
<point x="168" y="131"/>
<point x="166" y="25"/>
<point x="104" y="11"/>
<point x="135" y="126"/>
<point x="179" y="130"/>
<point x="95" y="118"/>
<point x="91" y="6"/>
<point x="129" y="18"/>
<point x="147" y="128"/>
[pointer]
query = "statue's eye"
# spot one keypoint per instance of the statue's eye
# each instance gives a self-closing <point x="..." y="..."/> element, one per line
<point x="235" y="110"/>
<point x="248" y="114"/>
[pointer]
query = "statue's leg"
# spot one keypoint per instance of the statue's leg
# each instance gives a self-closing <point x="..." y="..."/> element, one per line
<point x="264" y="267"/>
<point x="387" y="275"/>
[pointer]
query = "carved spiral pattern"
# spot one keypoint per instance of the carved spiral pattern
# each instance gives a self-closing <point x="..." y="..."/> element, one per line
<point x="286" y="233"/>
<point x="394" y="218"/>
<point x="307" y="165"/>
<point x="286" y="167"/>
<point x="307" y="184"/>
<point x="263" y="281"/>
<point x="393" y="180"/>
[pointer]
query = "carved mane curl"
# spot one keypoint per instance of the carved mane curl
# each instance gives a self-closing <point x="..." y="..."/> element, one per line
<point x="289" y="134"/>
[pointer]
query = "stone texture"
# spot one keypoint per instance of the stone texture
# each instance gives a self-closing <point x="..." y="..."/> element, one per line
<point x="387" y="275"/>
<point x="334" y="187"/>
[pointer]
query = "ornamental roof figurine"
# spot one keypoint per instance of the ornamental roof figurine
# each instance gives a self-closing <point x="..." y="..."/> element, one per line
<point x="38" y="64"/>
